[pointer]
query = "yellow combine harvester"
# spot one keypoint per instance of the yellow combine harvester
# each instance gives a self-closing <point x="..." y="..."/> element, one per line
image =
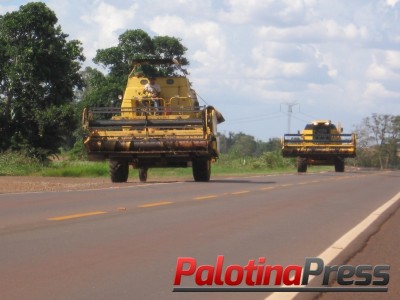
<point x="167" y="129"/>
<point x="320" y="143"/>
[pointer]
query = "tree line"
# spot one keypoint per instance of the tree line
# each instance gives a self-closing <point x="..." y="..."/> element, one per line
<point x="43" y="89"/>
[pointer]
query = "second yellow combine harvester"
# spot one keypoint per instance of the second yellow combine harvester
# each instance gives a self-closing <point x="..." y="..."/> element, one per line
<point x="169" y="129"/>
<point x="320" y="143"/>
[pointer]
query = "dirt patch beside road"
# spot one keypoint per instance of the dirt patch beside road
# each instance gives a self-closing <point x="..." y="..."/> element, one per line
<point x="19" y="184"/>
<point x="22" y="184"/>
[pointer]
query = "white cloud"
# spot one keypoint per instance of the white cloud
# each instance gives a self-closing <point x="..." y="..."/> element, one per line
<point x="168" y="25"/>
<point x="207" y="36"/>
<point x="377" y="72"/>
<point x="240" y="12"/>
<point x="209" y="50"/>
<point x="267" y="11"/>
<point x="323" y="60"/>
<point x="392" y="59"/>
<point x="377" y="91"/>
<point x="321" y="31"/>
<point x="273" y="68"/>
<point x="391" y="3"/>
<point x="109" y="19"/>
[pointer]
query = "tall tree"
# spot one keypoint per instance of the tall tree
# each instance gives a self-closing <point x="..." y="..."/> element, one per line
<point x="39" y="73"/>
<point x="378" y="126"/>
<point x="98" y="90"/>
<point x="169" y="47"/>
<point x="243" y="145"/>
<point x="394" y="141"/>
<point x="378" y="139"/>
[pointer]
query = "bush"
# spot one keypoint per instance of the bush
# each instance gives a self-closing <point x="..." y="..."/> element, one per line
<point x="18" y="163"/>
<point x="76" y="169"/>
<point x="274" y="160"/>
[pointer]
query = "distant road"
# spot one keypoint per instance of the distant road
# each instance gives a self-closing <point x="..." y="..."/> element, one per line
<point x="123" y="242"/>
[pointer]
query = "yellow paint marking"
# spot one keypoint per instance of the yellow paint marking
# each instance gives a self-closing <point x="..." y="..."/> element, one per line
<point x="75" y="216"/>
<point x="285" y="185"/>
<point x="267" y="188"/>
<point x="241" y="192"/>
<point x="304" y="182"/>
<point x="205" y="197"/>
<point x="155" y="204"/>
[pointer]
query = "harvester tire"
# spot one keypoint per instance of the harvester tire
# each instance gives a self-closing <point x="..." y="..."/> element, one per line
<point x="143" y="174"/>
<point x="339" y="165"/>
<point x="119" y="171"/>
<point x="201" y="170"/>
<point x="301" y="165"/>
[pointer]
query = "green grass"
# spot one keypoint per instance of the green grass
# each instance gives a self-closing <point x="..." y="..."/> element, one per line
<point x="16" y="164"/>
<point x="75" y="169"/>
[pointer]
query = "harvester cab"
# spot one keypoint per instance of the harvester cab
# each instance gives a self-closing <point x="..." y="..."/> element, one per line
<point x="164" y="129"/>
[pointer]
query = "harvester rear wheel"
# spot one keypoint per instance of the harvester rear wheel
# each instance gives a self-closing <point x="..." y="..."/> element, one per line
<point x="201" y="169"/>
<point x="339" y="165"/>
<point x="301" y="165"/>
<point x="143" y="174"/>
<point x="119" y="171"/>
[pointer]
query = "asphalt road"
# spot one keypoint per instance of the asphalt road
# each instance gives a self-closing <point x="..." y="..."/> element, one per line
<point x="124" y="242"/>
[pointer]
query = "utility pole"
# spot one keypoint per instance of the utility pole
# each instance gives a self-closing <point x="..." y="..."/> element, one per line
<point x="290" y="111"/>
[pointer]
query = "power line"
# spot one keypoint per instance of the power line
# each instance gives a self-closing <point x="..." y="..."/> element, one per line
<point x="252" y="117"/>
<point x="290" y="111"/>
<point x="309" y="116"/>
<point x="258" y="119"/>
<point x="301" y="119"/>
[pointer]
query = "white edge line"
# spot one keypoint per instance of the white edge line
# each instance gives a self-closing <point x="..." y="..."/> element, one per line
<point x="338" y="246"/>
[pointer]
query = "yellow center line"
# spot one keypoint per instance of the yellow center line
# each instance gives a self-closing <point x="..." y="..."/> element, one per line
<point x="205" y="197"/>
<point x="74" y="216"/>
<point x="155" y="204"/>
<point x="267" y="188"/>
<point x="285" y="185"/>
<point x="240" y="192"/>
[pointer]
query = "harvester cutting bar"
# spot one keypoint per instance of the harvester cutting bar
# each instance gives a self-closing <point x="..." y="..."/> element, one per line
<point x="321" y="145"/>
<point x="130" y="146"/>
<point x="322" y="139"/>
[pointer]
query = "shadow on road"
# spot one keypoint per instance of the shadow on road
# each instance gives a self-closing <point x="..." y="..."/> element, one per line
<point x="240" y="181"/>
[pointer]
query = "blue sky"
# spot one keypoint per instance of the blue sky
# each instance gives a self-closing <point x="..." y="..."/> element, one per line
<point x="334" y="59"/>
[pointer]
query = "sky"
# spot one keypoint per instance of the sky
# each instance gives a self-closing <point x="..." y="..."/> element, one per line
<point x="256" y="60"/>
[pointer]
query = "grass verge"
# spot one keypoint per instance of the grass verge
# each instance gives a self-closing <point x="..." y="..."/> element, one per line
<point x="16" y="164"/>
